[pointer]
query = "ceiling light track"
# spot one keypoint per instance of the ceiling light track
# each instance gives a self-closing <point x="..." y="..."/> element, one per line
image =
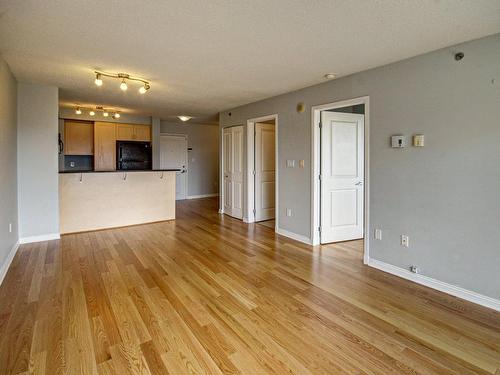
<point x="124" y="78"/>
<point x="98" y="109"/>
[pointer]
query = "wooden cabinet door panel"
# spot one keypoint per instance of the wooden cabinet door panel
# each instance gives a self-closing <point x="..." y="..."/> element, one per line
<point x="104" y="146"/>
<point x="142" y="133"/>
<point x="125" y="132"/>
<point x="78" y="138"/>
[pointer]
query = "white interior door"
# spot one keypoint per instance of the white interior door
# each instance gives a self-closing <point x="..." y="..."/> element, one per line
<point x="233" y="171"/>
<point x="173" y="154"/>
<point x="342" y="176"/>
<point x="265" y="171"/>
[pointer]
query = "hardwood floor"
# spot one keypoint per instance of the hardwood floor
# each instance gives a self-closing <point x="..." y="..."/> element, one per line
<point x="209" y="294"/>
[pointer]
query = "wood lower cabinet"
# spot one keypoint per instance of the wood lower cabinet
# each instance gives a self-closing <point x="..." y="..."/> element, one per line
<point x="104" y="146"/>
<point x="132" y="132"/>
<point x="78" y="137"/>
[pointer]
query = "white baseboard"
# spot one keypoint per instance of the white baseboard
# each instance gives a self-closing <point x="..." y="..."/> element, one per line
<point x="10" y="257"/>
<point x="294" y="236"/>
<point x="202" y="196"/>
<point x="43" y="237"/>
<point x="436" y="284"/>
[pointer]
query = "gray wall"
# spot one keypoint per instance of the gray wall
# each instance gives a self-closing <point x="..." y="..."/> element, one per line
<point x="37" y="160"/>
<point x="445" y="196"/>
<point x="8" y="161"/>
<point x="203" y="167"/>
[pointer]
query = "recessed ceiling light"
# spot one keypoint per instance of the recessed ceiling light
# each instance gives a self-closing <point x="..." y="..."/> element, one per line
<point x="105" y="113"/>
<point x="78" y="111"/>
<point x="116" y="115"/>
<point x="184" y="118"/>
<point x="330" y="75"/>
<point x="91" y="113"/>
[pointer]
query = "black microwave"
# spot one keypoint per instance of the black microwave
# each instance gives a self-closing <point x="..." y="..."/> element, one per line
<point x="131" y="155"/>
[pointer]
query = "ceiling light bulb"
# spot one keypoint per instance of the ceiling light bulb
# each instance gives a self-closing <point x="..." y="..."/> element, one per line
<point x="91" y="113"/>
<point x="123" y="85"/>
<point x="78" y="111"/>
<point x="116" y="115"/>
<point x="105" y="114"/>
<point x="98" y="79"/>
<point x="184" y="118"/>
<point x="143" y="89"/>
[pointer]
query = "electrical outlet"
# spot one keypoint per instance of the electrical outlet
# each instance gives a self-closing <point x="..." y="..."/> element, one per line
<point x="414" y="269"/>
<point x="288" y="212"/>
<point x="405" y="240"/>
<point x="378" y="234"/>
<point x="10" y="227"/>
<point x="72" y="164"/>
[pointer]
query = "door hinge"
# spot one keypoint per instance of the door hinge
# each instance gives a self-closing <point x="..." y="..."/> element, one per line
<point x="254" y="211"/>
<point x="319" y="229"/>
<point x="253" y="173"/>
<point x="320" y="124"/>
<point x="319" y="177"/>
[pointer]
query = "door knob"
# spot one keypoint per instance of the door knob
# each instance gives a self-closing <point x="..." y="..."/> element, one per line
<point x="359" y="183"/>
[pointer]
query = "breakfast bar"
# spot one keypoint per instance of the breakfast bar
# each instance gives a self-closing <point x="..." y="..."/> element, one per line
<point x="107" y="199"/>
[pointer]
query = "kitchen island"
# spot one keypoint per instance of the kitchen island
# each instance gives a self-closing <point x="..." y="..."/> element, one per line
<point x="93" y="200"/>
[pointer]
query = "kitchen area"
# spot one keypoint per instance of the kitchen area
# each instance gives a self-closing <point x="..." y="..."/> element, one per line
<point x="106" y="176"/>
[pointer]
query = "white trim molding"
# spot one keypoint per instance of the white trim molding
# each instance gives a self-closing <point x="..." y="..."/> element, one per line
<point x="202" y="196"/>
<point x="294" y="236"/>
<point x="8" y="261"/>
<point x="43" y="237"/>
<point x="441" y="286"/>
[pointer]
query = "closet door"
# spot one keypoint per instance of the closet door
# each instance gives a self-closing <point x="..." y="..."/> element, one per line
<point x="233" y="171"/>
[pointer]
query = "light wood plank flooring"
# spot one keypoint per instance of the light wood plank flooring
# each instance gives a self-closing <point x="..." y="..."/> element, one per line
<point x="210" y="294"/>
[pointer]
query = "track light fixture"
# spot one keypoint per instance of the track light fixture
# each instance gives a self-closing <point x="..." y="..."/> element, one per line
<point x="98" y="109"/>
<point x="124" y="77"/>
<point x="98" y="79"/>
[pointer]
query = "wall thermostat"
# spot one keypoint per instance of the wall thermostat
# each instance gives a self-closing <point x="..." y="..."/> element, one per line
<point x="398" y="141"/>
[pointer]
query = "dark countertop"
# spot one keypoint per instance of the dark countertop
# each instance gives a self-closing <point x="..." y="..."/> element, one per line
<point x="123" y="171"/>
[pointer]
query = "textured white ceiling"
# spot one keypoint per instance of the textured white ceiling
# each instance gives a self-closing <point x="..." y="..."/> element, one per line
<point x="206" y="56"/>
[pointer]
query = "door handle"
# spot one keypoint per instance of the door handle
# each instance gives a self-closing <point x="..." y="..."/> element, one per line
<point x="359" y="183"/>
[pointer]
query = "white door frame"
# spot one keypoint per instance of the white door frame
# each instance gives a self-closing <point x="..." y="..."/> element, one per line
<point x="187" y="155"/>
<point x="316" y="170"/>
<point x="250" y="183"/>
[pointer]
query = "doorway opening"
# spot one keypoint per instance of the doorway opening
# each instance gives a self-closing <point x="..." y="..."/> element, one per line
<point x="340" y="172"/>
<point x="173" y="155"/>
<point x="262" y="171"/>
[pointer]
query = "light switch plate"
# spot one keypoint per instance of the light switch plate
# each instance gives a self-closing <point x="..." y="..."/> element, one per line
<point x="398" y="141"/>
<point x="378" y="234"/>
<point x="290" y="163"/>
<point x="301" y="163"/>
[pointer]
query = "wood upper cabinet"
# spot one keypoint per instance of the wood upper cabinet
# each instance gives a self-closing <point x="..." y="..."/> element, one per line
<point x="131" y="132"/>
<point x="104" y="146"/>
<point x="78" y="137"/>
<point x="142" y="133"/>
<point x="124" y="132"/>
